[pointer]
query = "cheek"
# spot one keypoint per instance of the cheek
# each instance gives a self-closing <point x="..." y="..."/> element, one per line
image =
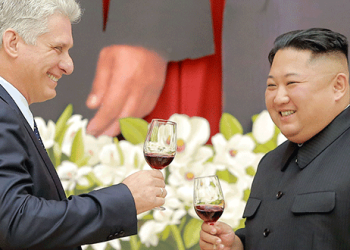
<point x="269" y="98"/>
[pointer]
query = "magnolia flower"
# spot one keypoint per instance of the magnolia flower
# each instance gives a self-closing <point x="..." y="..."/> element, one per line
<point x="280" y="139"/>
<point x="148" y="232"/>
<point x="237" y="152"/>
<point x="234" y="203"/>
<point x="75" y="123"/>
<point x="192" y="133"/>
<point x="71" y="175"/>
<point x="181" y="178"/>
<point x="162" y="218"/>
<point x="93" y="146"/>
<point x="263" y="128"/>
<point x="47" y="133"/>
<point x="119" y="161"/>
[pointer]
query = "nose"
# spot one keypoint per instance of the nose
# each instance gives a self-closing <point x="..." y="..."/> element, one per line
<point x="66" y="65"/>
<point x="281" y="96"/>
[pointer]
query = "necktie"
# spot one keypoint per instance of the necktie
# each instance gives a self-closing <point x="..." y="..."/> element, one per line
<point x="36" y="132"/>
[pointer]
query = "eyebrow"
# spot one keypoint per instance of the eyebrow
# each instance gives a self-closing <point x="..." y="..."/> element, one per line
<point x="286" y="75"/>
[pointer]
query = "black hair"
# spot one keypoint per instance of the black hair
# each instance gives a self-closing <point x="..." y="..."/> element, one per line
<point x="318" y="40"/>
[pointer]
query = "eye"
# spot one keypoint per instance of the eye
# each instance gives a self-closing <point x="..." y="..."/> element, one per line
<point x="291" y="82"/>
<point x="58" y="48"/>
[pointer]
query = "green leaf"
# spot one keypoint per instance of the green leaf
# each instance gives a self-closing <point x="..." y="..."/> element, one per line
<point x="191" y="233"/>
<point x="226" y="175"/>
<point x="165" y="234"/>
<point x="134" y="130"/>
<point x="266" y="147"/>
<point x="77" y="152"/>
<point x="230" y="126"/>
<point x="240" y="225"/>
<point x="250" y="171"/>
<point x="62" y="121"/>
<point x="246" y="194"/>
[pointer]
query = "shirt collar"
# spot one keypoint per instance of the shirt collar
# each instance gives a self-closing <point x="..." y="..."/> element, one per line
<point x="20" y="101"/>
<point x="313" y="147"/>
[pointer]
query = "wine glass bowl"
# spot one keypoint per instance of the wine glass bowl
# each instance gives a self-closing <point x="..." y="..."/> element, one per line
<point x="208" y="199"/>
<point x="161" y="143"/>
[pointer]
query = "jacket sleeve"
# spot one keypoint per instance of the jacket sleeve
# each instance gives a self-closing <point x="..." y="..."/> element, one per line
<point x="175" y="29"/>
<point x="31" y="221"/>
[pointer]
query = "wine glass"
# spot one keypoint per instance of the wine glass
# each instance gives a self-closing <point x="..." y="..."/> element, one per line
<point x="160" y="145"/>
<point x="208" y="199"/>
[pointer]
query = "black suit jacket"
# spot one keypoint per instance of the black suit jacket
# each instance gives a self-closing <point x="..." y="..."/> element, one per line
<point x="300" y="197"/>
<point x="34" y="211"/>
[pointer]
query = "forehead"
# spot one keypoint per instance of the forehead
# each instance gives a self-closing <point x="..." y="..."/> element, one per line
<point x="59" y="30"/>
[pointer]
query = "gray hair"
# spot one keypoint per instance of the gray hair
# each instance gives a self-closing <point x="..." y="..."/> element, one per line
<point x="29" y="18"/>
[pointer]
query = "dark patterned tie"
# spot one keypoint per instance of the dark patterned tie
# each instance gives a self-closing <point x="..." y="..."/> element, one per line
<point x="36" y="132"/>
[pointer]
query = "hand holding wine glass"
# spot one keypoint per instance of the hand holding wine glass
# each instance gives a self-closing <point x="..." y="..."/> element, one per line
<point x="208" y="199"/>
<point x="160" y="145"/>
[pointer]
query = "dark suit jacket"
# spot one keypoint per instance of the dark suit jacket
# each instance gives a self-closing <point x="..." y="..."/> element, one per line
<point x="34" y="211"/>
<point x="300" y="197"/>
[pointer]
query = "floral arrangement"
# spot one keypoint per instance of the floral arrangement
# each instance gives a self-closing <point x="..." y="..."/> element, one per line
<point x="85" y="163"/>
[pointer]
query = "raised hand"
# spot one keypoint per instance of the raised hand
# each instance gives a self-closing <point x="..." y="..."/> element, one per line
<point x="219" y="236"/>
<point x="127" y="83"/>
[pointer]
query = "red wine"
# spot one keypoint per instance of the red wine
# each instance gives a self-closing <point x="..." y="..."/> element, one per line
<point x="209" y="213"/>
<point x="158" y="161"/>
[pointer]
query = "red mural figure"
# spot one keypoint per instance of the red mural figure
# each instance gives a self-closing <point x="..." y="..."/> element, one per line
<point x="193" y="86"/>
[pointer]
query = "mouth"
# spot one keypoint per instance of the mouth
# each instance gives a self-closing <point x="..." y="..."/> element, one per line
<point x="287" y="113"/>
<point x="52" y="77"/>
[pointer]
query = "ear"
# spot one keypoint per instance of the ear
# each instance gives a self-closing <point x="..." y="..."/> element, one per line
<point x="340" y="86"/>
<point x="10" y="42"/>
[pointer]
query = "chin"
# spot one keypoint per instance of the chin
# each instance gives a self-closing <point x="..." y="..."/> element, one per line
<point x="48" y="97"/>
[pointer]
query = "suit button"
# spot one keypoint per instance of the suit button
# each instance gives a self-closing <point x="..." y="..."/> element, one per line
<point x="279" y="194"/>
<point x="266" y="232"/>
<point x="110" y="237"/>
<point x="121" y="233"/>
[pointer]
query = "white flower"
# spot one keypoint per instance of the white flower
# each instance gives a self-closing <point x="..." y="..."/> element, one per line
<point x="172" y="200"/>
<point x="75" y="123"/>
<point x="93" y="146"/>
<point x="148" y="232"/>
<point x="181" y="178"/>
<point x="234" y="203"/>
<point x="263" y="128"/>
<point x="47" y="133"/>
<point x="236" y="152"/>
<point x="118" y="162"/>
<point x="192" y="133"/>
<point x="280" y="139"/>
<point x="71" y="175"/>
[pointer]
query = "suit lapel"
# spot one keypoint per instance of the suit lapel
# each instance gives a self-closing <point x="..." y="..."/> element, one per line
<point x="8" y="99"/>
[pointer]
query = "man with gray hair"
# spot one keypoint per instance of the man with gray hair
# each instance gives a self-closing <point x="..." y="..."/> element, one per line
<point x="35" y="40"/>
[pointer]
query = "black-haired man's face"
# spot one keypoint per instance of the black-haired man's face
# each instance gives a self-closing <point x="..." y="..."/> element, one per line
<point x="299" y="94"/>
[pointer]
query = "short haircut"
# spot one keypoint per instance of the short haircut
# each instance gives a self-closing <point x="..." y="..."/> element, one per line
<point x="29" y="18"/>
<point x="317" y="40"/>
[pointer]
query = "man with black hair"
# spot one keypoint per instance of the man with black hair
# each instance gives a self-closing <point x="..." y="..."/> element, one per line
<point x="300" y="195"/>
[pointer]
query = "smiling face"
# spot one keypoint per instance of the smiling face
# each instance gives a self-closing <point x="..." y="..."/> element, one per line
<point x="44" y="63"/>
<point x="302" y="94"/>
